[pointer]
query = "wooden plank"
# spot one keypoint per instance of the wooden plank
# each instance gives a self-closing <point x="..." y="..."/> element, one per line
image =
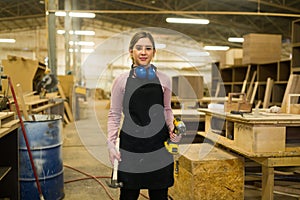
<point x="66" y="119"/>
<point x="291" y="88"/>
<point x="267" y="183"/>
<point x="66" y="105"/>
<point x="22" y="102"/>
<point x="249" y="92"/>
<point x="218" y="89"/>
<point x="268" y="92"/>
<point x="246" y="79"/>
<point x="4" y="171"/>
<point x="10" y="123"/>
<point x="292" y="108"/>
<point x="254" y="92"/>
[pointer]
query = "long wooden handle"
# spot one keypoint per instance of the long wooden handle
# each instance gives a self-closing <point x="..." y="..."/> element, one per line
<point x="21" y="97"/>
<point x="116" y="162"/>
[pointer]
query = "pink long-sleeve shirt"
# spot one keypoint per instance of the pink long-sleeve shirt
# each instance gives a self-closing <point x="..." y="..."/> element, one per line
<point x="116" y="104"/>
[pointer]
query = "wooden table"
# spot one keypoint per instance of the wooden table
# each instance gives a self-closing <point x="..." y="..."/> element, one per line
<point x="272" y="140"/>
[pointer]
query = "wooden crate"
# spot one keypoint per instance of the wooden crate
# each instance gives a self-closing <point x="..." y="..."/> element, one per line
<point x="188" y="87"/>
<point x="207" y="172"/>
<point x="234" y="57"/>
<point x="261" y="48"/>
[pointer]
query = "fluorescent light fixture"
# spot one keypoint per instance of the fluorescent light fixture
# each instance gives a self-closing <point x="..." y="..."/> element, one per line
<point x="75" y="14"/>
<point x="187" y="20"/>
<point x="83" y="32"/>
<point x="82" y="14"/>
<point x="60" y="14"/>
<point x="236" y="39"/>
<point x="198" y="53"/>
<point x="61" y="32"/>
<point x="160" y="46"/>
<point x="82" y="43"/>
<point x="216" y="48"/>
<point x="82" y="50"/>
<point x="5" y="40"/>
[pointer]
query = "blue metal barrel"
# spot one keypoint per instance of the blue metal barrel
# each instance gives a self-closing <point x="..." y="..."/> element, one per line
<point x="44" y="137"/>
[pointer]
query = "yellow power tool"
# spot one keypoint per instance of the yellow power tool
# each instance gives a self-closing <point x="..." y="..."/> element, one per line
<point x="179" y="129"/>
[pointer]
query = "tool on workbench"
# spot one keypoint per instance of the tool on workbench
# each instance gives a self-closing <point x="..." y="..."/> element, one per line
<point x="179" y="129"/>
<point x="48" y="82"/>
<point x="114" y="178"/>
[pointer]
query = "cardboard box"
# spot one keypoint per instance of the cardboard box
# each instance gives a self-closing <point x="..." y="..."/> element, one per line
<point x="261" y="48"/>
<point x="206" y="172"/>
<point x="234" y="57"/>
<point x="188" y="87"/>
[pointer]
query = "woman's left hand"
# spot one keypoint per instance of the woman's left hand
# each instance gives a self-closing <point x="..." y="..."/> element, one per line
<point x="174" y="138"/>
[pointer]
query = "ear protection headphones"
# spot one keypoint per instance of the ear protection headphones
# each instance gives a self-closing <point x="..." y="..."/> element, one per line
<point x="145" y="73"/>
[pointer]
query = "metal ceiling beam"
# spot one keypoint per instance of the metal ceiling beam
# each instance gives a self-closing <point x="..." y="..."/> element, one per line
<point x="147" y="12"/>
<point x="276" y="5"/>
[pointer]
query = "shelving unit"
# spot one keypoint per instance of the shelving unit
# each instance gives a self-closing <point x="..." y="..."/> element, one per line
<point x="232" y="79"/>
<point x="295" y="64"/>
<point x="9" y="156"/>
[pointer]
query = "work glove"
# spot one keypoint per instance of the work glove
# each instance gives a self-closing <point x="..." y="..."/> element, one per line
<point x="113" y="153"/>
<point x="174" y="137"/>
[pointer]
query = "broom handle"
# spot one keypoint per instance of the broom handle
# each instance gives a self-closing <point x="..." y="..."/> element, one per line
<point x="25" y="138"/>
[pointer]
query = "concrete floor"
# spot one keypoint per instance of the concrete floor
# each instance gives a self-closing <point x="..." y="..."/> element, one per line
<point x="85" y="156"/>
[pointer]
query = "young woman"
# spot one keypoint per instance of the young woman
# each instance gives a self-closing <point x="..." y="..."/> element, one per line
<point x="143" y="95"/>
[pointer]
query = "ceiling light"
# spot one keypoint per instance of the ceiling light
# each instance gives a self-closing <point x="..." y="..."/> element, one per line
<point x="83" y="32"/>
<point x="60" y="14"/>
<point x="5" y="40"/>
<point x="61" y="32"/>
<point x="160" y="46"/>
<point x="82" y="43"/>
<point x="82" y="50"/>
<point x="82" y="14"/>
<point x="236" y="39"/>
<point x="187" y="20"/>
<point x="216" y="48"/>
<point x="76" y="32"/>
<point x="196" y="53"/>
<point x="75" y="14"/>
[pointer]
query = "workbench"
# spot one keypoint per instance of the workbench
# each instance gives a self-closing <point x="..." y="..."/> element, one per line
<point x="9" y="159"/>
<point x="270" y="139"/>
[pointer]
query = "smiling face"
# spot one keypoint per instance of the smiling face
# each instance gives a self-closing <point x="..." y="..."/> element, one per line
<point x="142" y="52"/>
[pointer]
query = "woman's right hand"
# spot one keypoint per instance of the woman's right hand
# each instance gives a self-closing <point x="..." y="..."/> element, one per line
<point x="114" y="154"/>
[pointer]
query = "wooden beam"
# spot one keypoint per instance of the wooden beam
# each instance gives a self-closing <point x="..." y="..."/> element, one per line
<point x="268" y="92"/>
<point x="249" y="92"/>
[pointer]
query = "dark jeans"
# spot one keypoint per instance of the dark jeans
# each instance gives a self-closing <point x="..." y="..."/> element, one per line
<point x="128" y="194"/>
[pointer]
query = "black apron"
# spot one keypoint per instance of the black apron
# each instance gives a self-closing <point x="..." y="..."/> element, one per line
<point x="146" y="164"/>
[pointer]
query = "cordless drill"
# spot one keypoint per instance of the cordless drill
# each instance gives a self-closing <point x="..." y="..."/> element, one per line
<point x="179" y="129"/>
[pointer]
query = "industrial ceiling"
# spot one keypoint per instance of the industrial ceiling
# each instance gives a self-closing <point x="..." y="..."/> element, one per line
<point x="228" y="18"/>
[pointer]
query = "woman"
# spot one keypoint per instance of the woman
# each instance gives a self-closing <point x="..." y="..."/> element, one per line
<point x="144" y="96"/>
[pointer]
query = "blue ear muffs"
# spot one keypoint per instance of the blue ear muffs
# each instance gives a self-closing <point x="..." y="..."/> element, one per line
<point x="142" y="73"/>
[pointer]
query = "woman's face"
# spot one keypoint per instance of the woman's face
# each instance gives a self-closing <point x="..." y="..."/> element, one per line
<point x="142" y="52"/>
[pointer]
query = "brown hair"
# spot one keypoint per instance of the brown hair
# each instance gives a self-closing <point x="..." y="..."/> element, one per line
<point x="138" y="36"/>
